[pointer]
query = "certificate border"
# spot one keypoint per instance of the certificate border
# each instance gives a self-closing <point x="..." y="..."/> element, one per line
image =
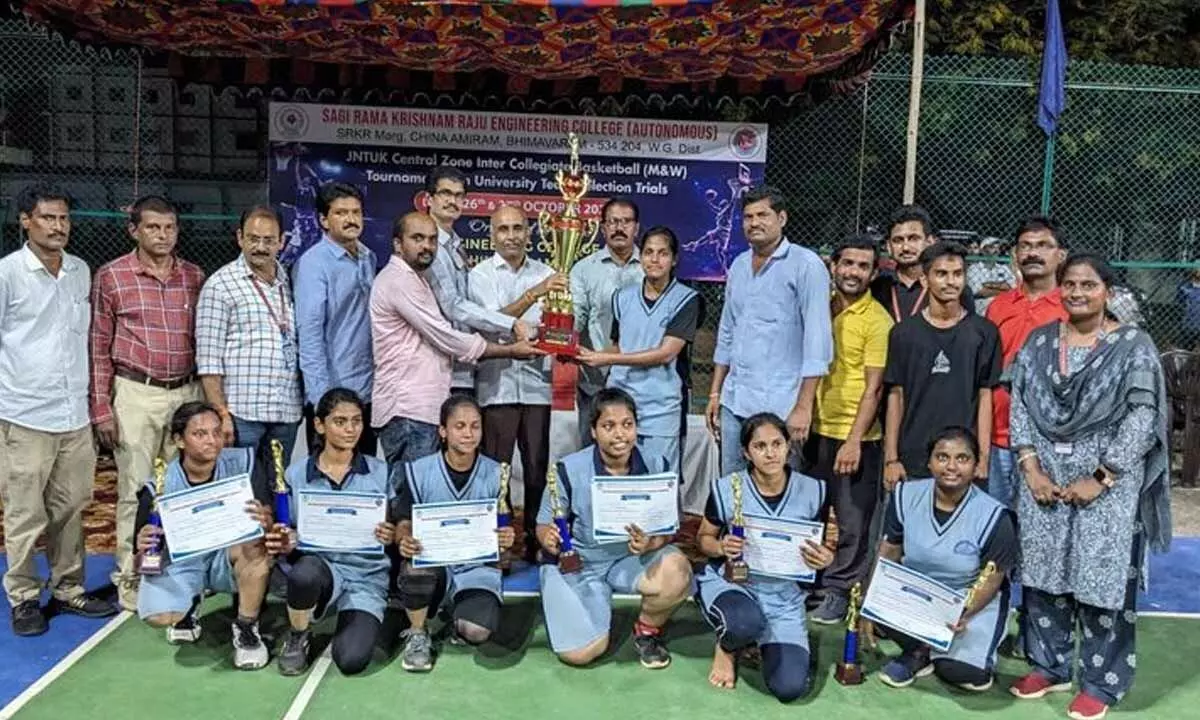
<point x="933" y="643"/>
<point x="603" y="537"/>
<point x="493" y="557"/>
<point x="313" y="547"/>
<point x="806" y="577"/>
<point x="207" y="487"/>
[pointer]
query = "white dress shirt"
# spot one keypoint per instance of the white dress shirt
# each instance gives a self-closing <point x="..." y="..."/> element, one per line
<point x="494" y="284"/>
<point x="44" y="342"/>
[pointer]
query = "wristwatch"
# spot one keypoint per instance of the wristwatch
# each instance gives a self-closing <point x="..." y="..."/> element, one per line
<point x="1104" y="477"/>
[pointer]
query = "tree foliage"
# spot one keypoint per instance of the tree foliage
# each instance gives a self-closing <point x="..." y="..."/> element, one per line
<point x="1149" y="32"/>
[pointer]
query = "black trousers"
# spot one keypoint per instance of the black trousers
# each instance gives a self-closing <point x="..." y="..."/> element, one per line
<point x="368" y="444"/>
<point x="310" y="587"/>
<point x="422" y="588"/>
<point x="527" y="427"/>
<point x="854" y="499"/>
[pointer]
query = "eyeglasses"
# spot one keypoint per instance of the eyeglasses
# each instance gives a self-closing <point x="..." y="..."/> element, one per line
<point x="450" y="194"/>
<point x="619" y="222"/>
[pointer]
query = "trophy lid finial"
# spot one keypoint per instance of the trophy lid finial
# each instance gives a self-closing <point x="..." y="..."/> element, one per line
<point x="573" y="146"/>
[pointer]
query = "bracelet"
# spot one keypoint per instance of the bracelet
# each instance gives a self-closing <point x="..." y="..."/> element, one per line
<point x="1025" y="455"/>
<point x="893" y="462"/>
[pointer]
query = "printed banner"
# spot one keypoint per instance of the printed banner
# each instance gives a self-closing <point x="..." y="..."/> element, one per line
<point x="689" y="176"/>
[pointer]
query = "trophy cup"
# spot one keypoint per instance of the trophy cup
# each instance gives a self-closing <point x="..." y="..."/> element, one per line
<point x="568" y="559"/>
<point x="283" y="510"/>
<point x="849" y="671"/>
<point x="150" y="562"/>
<point x="503" y="515"/>
<point x="736" y="569"/>
<point x="564" y="237"/>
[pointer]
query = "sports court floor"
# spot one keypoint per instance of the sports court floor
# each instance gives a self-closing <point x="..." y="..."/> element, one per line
<point x="85" y="668"/>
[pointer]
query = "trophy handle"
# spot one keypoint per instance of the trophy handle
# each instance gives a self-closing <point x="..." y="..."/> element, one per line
<point x="546" y="232"/>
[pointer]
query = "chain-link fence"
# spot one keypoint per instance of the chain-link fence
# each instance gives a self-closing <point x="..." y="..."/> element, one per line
<point x="1126" y="181"/>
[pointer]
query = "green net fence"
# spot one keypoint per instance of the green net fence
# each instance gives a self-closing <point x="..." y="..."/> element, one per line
<point x="1125" y="183"/>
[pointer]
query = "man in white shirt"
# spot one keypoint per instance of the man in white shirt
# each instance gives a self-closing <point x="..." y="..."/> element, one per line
<point x="448" y="275"/>
<point x="48" y="461"/>
<point x="515" y="394"/>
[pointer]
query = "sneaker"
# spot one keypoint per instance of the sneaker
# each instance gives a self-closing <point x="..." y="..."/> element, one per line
<point x="906" y="669"/>
<point x="84" y="605"/>
<point x="417" y="655"/>
<point x="652" y="651"/>
<point x="127" y="591"/>
<point x="1086" y="707"/>
<point x="832" y="609"/>
<point x="1036" y="685"/>
<point x="28" y="619"/>
<point x="293" y="658"/>
<point x="977" y="687"/>
<point x="249" y="650"/>
<point x="185" y="631"/>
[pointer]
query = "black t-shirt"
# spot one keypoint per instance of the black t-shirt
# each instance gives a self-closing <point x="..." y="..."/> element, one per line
<point x="260" y="483"/>
<point x="907" y="296"/>
<point x="1000" y="546"/>
<point x="941" y="372"/>
<point x="402" y="504"/>
<point x="682" y="325"/>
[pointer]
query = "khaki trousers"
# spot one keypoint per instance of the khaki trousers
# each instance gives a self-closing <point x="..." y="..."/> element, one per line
<point x="143" y="414"/>
<point x="46" y="480"/>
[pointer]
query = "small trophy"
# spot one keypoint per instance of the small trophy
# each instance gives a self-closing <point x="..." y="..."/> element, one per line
<point x="568" y="559"/>
<point x="984" y="575"/>
<point x="564" y="238"/>
<point x="283" y="510"/>
<point x="849" y="671"/>
<point x="150" y="562"/>
<point x="503" y="515"/>
<point x="736" y="569"/>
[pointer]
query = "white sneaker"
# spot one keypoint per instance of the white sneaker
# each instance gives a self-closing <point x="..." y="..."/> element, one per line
<point x="249" y="650"/>
<point x="185" y="631"/>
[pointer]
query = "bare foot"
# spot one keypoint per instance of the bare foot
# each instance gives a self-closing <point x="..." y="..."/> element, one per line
<point x="724" y="670"/>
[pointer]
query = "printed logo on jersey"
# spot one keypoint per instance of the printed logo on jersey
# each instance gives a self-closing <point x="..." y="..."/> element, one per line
<point x="966" y="547"/>
<point x="941" y="364"/>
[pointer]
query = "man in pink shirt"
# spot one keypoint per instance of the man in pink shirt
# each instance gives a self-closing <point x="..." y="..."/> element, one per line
<point x="414" y="346"/>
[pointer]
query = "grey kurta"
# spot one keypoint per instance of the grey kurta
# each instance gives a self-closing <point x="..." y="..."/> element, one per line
<point x="1085" y="551"/>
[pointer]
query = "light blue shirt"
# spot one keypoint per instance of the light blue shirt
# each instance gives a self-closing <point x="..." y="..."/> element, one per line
<point x="333" y="321"/>
<point x="775" y="330"/>
<point x="594" y="281"/>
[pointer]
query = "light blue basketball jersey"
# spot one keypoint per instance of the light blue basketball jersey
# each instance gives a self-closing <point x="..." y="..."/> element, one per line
<point x="230" y="463"/>
<point x="575" y="475"/>
<point x="952" y="554"/>
<point x="781" y="601"/>
<point x="367" y="475"/>
<point x="657" y="390"/>
<point x="429" y="482"/>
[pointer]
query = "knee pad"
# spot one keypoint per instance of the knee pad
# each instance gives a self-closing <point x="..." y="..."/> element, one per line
<point x="417" y="586"/>
<point x="305" y="581"/>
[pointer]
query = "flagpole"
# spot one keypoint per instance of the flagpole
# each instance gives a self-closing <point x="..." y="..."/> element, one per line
<point x="914" y="103"/>
<point x="1048" y="172"/>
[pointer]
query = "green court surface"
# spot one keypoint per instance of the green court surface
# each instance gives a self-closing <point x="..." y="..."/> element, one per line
<point x="135" y="673"/>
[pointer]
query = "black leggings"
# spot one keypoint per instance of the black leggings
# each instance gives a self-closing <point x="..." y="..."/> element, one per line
<point x="954" y="672"/>
<point x="476" y="612"/>
<point x="739" y="623"/>
<point x="310" y="587"/>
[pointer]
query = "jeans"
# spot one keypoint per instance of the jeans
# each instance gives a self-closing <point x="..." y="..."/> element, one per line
<point x="405" y="440"/>
<point x="1003" y="478"/>
<point x="732" y="459"/>
<point x="258" y="435"/>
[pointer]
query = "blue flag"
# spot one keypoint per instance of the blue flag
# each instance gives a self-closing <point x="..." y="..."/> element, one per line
<point x="1052" y="97"/>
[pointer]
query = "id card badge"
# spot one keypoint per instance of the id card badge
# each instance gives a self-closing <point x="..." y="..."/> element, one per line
<point x="1064" y="448"/>
<point x="288" y="344"/>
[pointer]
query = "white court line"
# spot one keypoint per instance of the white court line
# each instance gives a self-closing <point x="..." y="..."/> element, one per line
<point x="319" y="668"/>
<point x="64" y="665"/>
<point x="1166" y="614"/>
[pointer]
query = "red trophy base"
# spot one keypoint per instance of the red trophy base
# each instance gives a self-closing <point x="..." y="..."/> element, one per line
<point x="148" y="563"/>
<point x="570" y="562"/>
<point x="849" y="674"/>
<point x="737" y="571"/>
<point x="558" y="336"/>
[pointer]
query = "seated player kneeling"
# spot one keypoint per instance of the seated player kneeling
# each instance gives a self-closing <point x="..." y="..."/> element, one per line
<point x="947" y="529"/>
<point x="171" y="599"/>
<point x="578" y="605"/>
<point x="352" y="585"/>
<point x="471" y="592"/>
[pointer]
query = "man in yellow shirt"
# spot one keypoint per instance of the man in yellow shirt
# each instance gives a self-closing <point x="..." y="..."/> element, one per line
<point x="844" y="448"/>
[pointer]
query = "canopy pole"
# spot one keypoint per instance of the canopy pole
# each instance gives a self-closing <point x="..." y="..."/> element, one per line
<point x="914" y="103"/>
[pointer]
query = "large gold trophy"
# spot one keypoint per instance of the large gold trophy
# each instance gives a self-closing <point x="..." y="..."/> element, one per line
<point x="565" y="237"/>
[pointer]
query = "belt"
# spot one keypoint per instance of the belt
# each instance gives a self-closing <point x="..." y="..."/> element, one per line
<point x="143" y="379"/>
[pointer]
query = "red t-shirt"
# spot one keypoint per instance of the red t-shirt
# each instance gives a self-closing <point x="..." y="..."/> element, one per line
<point x="1016" y="317"/>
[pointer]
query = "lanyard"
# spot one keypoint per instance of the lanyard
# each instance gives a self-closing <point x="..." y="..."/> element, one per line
<point x="279" y="320"/>
<point x="916" y="308"/>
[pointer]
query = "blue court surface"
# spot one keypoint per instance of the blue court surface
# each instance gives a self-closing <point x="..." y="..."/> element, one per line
<point x="1174" y="578"/>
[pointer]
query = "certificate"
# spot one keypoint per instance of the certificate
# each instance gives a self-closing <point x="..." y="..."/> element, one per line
<point x="649" y="501"/>
<point x="914" y="604"/>
<point x="208" y="517"/>
<point x="340" y="521"/>
<point x="456" y="533"/>
<point x="773" y="546"/>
